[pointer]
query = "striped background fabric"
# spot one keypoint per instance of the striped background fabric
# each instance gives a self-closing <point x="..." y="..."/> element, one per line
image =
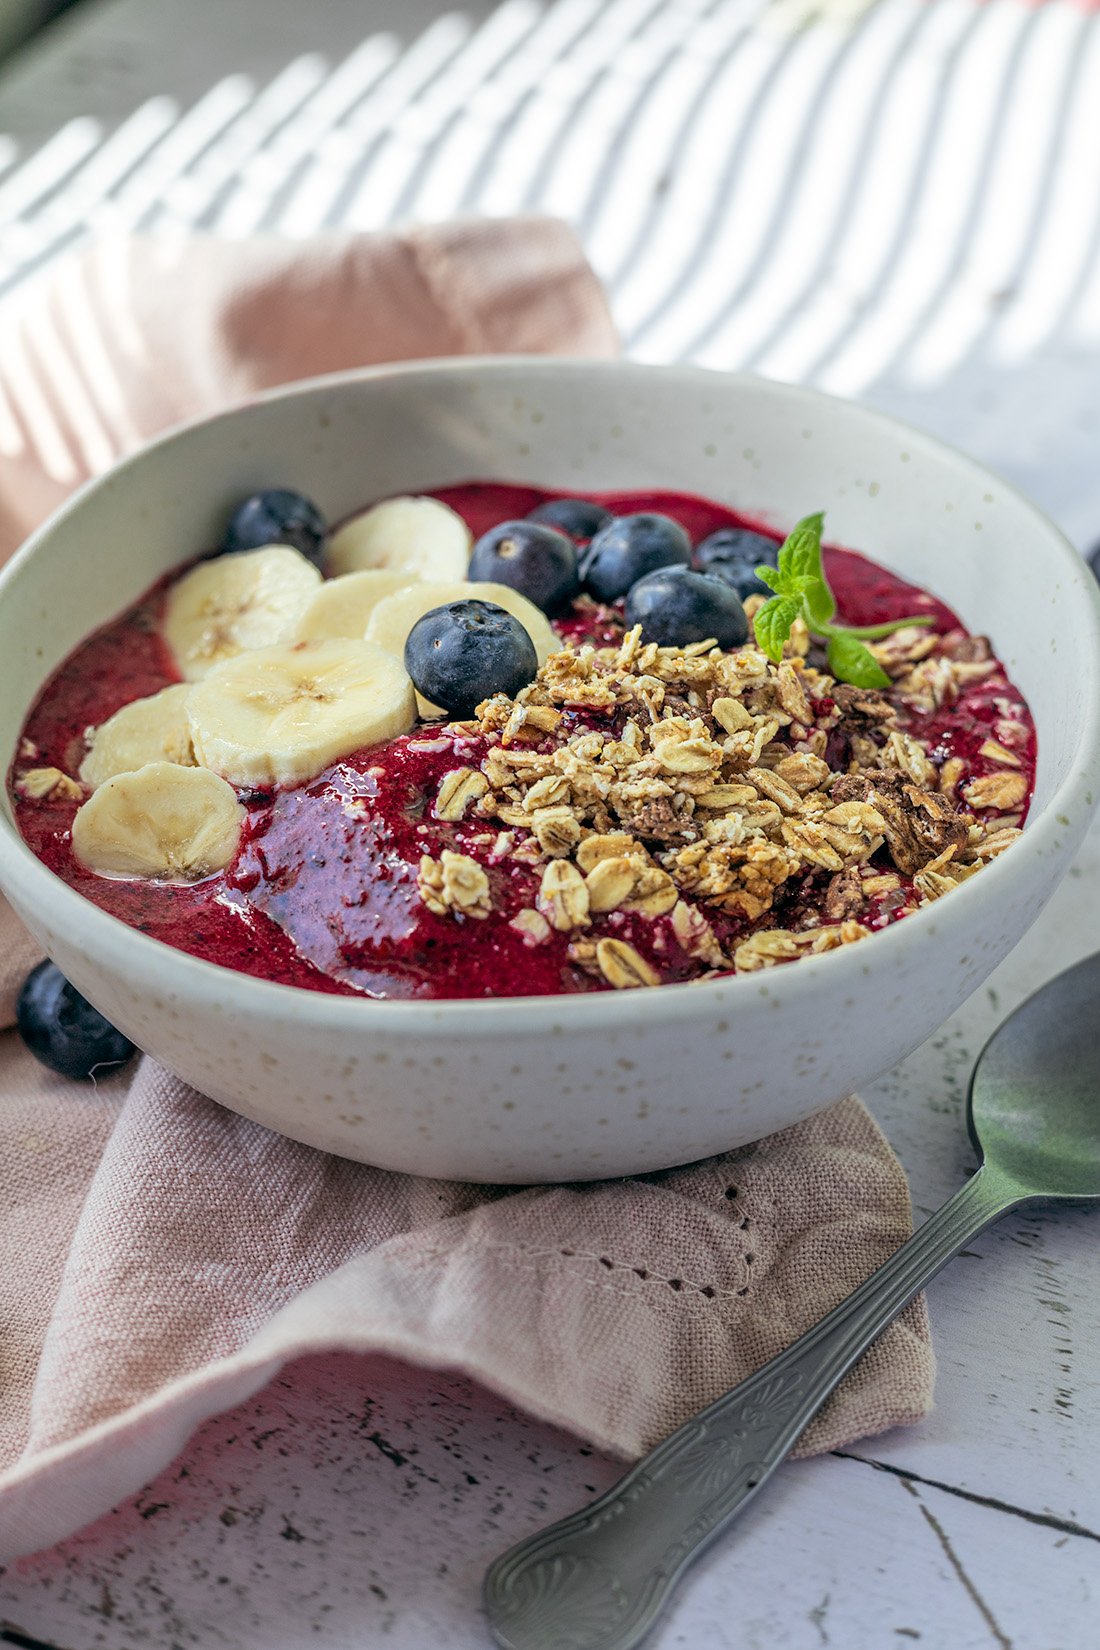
<point x="898" y="201"/>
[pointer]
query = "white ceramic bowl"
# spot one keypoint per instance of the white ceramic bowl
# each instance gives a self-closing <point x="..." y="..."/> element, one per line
<point x="529" y="1089"/>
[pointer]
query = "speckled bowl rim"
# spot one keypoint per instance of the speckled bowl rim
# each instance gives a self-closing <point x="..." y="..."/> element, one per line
<point x="130" y="950"/>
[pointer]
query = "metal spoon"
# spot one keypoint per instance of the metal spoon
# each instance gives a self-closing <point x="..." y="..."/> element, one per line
<point x="599" y="1579"/>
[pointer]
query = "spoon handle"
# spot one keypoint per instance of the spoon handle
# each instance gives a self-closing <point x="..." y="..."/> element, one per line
<point x="598" y="1579"/>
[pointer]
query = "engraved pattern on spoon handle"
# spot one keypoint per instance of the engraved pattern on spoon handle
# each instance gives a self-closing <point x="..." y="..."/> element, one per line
<point x="598" y="1579"/>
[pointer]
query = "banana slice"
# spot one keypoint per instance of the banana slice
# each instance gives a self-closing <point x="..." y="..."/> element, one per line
<point x="417" y="536"/>
<point x="395" y="616"/>
<point x="343" y="605"/>
<point x="279" y="715"/>
<point x="165" y="822"/>
<point x="226" y="606"/>
<point x="154" y="729"/>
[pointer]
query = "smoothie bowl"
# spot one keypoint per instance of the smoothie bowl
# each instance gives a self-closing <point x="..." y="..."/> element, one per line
<point x="644" y="832"/>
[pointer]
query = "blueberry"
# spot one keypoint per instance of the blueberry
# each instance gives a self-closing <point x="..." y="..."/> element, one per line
<point x="578" y="517"/>
<point x="63" y="1030"/>
<point x="734" y="554"/>
<point x="465" y="652"/>
<point x="629" y="547"/>
<point x="677" y="605"/>
<point x="277" y="516"/>
<point x="536" y="560"/>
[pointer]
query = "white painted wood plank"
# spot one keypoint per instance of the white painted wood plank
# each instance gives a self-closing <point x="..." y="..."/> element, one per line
<point x="837" y="1560"/>
<point x="354" y="1506"/>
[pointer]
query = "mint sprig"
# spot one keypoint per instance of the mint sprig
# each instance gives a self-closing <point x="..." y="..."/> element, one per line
<point x="802" y="592"/>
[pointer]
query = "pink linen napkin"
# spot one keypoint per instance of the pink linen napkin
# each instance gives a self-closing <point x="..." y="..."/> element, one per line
<point x="165" y="1258"/>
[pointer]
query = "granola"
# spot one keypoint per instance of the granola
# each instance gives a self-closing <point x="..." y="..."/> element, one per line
<point x="751" y="812"/>
<point x="454" y="882"/>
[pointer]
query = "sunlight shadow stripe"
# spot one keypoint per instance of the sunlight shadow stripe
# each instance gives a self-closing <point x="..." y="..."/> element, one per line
<point x="459" y="153"/>
<point x="848" y="119"/>
<point x="175" y="153"/>
<point x="653" y="265"/>
<point x="424" y="129"/>
<point x="722" y="131"/>
<point x="651" y="63"/>
<point x="1025" y="127"/>
<point x="976" y="93"/>
<point x="63" y="218"/>
<point x="878" y="231"/>
<point x="627" y="200"/>
<point x="517" y="180"/>
<point x="802" y="219"/>
<point x="189" y="199"/>
<point x="1068" y="212"/>
<point x="344" y="155"/>
<point x="48" y="167"/>
<point x="268" y="174"/>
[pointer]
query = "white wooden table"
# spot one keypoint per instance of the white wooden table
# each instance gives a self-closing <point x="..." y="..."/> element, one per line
<point x="354" y="1504"/>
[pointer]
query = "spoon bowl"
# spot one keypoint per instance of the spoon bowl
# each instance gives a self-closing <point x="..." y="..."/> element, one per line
<point x="1034" y="1105"/>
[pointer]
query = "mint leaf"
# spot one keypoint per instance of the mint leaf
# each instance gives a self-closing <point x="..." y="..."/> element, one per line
<point x="851" y="662"/>
<point x="800" y="552"/>
<point x="782" y="580"/>
<point x="801" y="569"/>
<point x="773" y="622"/>
<point x="802" y="590"/>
